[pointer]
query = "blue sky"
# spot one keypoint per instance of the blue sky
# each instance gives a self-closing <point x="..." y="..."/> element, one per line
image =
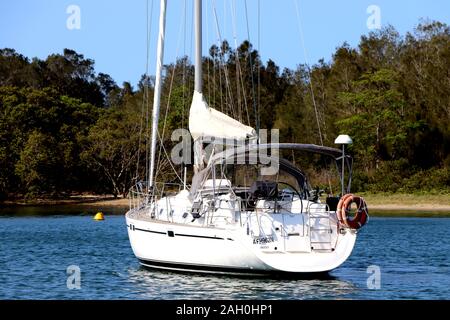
<point x="113" y="32"/>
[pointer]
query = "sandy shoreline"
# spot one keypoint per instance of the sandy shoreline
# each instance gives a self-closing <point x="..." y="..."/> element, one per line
<point x="408" y="202"/>
<point x="113" y="203"/>
<point x="411" y="207"/>
<point x="383" y="207"/>
<point x="72" y="201"/>
<point x="109" y="201"/>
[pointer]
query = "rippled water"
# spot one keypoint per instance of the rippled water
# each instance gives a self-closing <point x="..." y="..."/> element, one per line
<point x="413" y="255"/>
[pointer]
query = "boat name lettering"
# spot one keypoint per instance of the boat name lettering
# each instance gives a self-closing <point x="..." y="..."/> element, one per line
<point x="263" y="240"/>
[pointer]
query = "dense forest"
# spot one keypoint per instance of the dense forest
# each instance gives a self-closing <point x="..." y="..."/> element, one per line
<point x="66" y="129"/>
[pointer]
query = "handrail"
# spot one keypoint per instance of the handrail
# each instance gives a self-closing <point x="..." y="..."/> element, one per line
<point x="139" y="197"/>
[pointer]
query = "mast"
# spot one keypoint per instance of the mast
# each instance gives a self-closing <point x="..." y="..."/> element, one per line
<point x="198" y="145"/>
<point x="157" y="94"/>
<point x="198" y="46"/>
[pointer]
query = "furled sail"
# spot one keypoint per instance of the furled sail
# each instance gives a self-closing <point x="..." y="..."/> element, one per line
<point x="206" y="123"/>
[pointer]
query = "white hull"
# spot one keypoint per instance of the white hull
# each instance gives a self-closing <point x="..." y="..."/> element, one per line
<point x="229" y="249"/>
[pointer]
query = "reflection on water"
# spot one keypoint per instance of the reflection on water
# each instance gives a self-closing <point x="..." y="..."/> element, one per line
<point x="152" y="284"/>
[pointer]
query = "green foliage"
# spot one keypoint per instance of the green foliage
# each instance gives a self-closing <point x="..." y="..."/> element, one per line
<point x="39" y="141"/>
<point x="434" y="179"/>
<point x="68" y="73"/>
<point x="112" y="146"/>
<point x="389" y="176"/>
<point x="380" y="120"/>
<point x="40" y="165"/>
<point x="65" y="128"/>
<point x="399" y="176"/>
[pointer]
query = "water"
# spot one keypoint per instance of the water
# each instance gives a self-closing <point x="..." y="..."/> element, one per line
<point x="413" y="255"/>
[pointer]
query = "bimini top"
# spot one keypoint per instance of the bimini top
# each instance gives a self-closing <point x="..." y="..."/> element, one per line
<point x="255" y="149"/>
<point x="253" y="154"/>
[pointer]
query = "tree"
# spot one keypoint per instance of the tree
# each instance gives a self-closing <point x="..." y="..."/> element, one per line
<point x="48" y="124"/>
<point x="390" y="92"/>
<point x="112" y="147"/>
<point x="379" y="125"/>
<point x="14" y="68"/>
<point x="40" y="167"/>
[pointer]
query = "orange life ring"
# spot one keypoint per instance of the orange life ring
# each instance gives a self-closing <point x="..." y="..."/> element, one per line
<point x="343" y="208"/>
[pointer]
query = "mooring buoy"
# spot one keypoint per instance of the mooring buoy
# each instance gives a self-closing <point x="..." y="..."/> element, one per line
<point x="99" y="216"/>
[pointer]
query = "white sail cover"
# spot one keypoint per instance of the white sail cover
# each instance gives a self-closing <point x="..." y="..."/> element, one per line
<point x="206" y="122"/>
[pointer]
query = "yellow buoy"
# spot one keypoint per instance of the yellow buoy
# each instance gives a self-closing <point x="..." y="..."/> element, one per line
<point x="99" y="216"/>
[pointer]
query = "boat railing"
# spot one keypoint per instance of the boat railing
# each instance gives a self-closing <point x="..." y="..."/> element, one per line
<point x="231" y="217"/>
<point x="141" y="195"/>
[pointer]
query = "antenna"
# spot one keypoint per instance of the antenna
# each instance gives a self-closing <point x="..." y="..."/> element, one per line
<point x="343" y="140"/>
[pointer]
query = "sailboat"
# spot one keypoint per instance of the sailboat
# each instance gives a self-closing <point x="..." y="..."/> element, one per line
<point x="232" y="222"/>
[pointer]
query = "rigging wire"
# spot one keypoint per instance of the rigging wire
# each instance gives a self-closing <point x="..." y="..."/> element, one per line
<point x="191" y="43"/>
<point x="211" y="66"/>
<point x="145" y="95"/>
<point x="208" y="72"/>
<point x="183" y="111"/>
<point x="168" y="158"/>
<point x="258" y="106"/>
<point x="184" y="63"/>
<point x="226" y="73"/>
<point x="212" y="87"/>
<point x="221" y="85"/>
<point x="302" y="39"/>
<point x="239" y="72"/>
<point x="251" y="70"/>
<point x="236" y="62"/>
<point x="161" y="136"/>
